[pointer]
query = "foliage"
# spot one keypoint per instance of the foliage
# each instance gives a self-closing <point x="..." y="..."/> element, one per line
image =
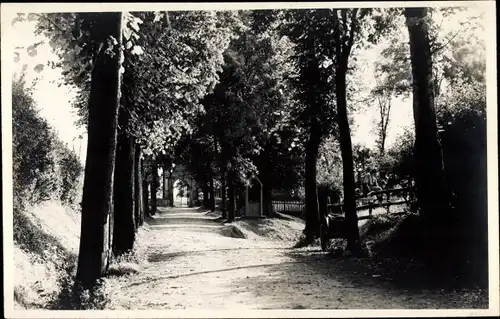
<point x="450" y="50"/>
<point x="329" y="166"/>
<point x="182" y="55"/>
<point x="308" y="30"/>
<point x="402" y="153"/>
<point x="362" y="156"/>
<point x="43" y="167"/>
<point x="181" y="51"/>
<point x="71" y="171"/>
<point x="245" y="126"/>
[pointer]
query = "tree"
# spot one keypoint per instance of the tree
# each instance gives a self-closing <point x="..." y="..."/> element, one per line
<point x="383" y="95"/>
<point x="309" y="30"/>
<point x="125" y="221"/>
<point x="161" y="61"/>
<point x="138" y="196"/>
<point x="352" y="28"/>
<point x="346" y="26"/>
<point x="325" y="40"/>
<point x="430" y="178"/>
<point x="89" y="49"/>
<point x="97" y="200"/>
<point x="154" y="186"/>
<point x="251" y="101"/>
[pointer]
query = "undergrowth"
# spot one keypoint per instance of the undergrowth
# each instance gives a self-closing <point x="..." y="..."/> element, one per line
<point x="46" y="270"/>
<point x="408" y="250"/>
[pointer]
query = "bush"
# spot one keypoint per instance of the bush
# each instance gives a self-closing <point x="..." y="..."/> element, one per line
<point x="70" y="173"/>
<point x="462" y="123"/>
<point x="464" y="150"/>
<point x="329" y="169"/>
<point x="402" y="158"/>
<point x="43" y="167"/>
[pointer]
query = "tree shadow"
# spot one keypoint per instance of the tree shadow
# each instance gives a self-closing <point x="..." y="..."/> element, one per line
<point x="159" y="257"/>
<point x="183" y="221"/>
<point x="221" y="270"/>
<point x="397" y="273"/>
<point x="313" y="274"/>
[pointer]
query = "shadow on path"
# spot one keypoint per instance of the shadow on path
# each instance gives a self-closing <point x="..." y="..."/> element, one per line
<point x="150" y="280"/>
<point x="348" y="282"/>
<point x="159" y="257"/>
<point x="182" y="216"/>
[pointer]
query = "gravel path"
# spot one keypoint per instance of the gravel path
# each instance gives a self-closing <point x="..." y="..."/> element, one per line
<point x="193" y="264"/>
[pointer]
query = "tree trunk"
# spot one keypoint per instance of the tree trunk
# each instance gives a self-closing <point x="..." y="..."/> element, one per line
<point x="145" y="191"/>
<point x="266" y="178"/>
<point x="311" y="192"/>
<point x="430" y="181"/>
<point x="223" y="195"/>
<point x="351" y="217"/>
<point x="323" y="200"/>
<point x="231" y="195"/>
<point x="124" y="193"/>
<point x="154" y="186"/>
<point x="97" y="200"/>
<point x="206" y="194"/>
<point x="193" y="198"/>
<point x="164" y="182"/>
<point x="171" y="191"/>
<point x="267" y="194"/>
<point x="212" y="194"/>
<point x="138" y="211"/>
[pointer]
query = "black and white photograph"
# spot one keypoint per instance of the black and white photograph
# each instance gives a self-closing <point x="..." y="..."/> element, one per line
<point x="293" y="159"/>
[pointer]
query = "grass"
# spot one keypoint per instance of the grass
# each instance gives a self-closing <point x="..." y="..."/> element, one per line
<point x="283" y="228"/>
<point x="126" y="264"/>
<point x="46" y="240"/>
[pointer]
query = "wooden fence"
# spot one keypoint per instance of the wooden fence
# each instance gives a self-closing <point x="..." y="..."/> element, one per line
<point x="381" y="199"/>
<point x="291" y="207"/>
<point x="393" y="197"/>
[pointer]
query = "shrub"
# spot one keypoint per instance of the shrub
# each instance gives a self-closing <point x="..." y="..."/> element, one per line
<point x="70" y="172"/>
<point x="403" y="160"/>
<point x="43" y="167"/>
<point x="462" y="123"/>
<point x="463" y="140"/>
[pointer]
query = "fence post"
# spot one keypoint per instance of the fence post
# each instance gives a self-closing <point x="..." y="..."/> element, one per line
<point x="284" y="208"/>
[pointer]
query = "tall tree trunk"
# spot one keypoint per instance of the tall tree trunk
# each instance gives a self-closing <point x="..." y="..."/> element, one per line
<point x="311" y="201"/>
<point x="266" y="178"/>
<point x="323" y="200"/>
<point x="170" y="190"/>
<point x="145" y="191"/>
<point x="138" y="211"/>
<point x="430" y="178"/>
<point x="97" y="200"/>
<point x="223" y="195"/>
<point x="267" y="194"/>
<point x="206" y="194"/>
<point x="194" y="193"/>
<point x="164" y="182"/>
<point x="189" y="194"/>
<point x="212" y="193"/>
<point x="231" y="195"/>
<point x="154" y="186"/>
<point x="351" y="217"/>
<point x="124" y="193"/>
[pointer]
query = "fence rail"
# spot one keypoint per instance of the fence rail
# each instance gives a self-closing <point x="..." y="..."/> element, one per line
<point x="376" y="200"/>
<point x="393" y="197"/>
<point x="289" y="206"/>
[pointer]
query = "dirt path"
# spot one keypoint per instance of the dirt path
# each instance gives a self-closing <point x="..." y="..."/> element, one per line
<point x="193" y="264"/>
